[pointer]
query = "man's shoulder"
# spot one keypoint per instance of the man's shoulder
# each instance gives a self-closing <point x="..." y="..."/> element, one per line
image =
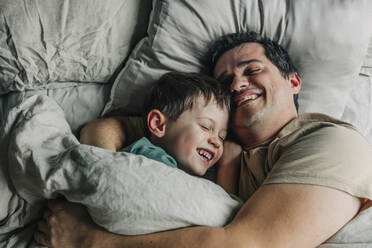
<point x="314" y="129"/>
<point x="314" y="122"/>
<point x="323" y="151"/>
<point x="319" y="117"/>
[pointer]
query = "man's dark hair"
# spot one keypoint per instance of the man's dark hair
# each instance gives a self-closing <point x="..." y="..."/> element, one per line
<point x="176" y="92"/>
<point x="273" y="51"/>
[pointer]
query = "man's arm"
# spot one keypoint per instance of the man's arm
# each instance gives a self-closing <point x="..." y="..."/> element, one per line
<point x="293" y="215"/>
<point x="107" y="133"/>
<point x="228" y="167"/>
<point x="277" y="215"/>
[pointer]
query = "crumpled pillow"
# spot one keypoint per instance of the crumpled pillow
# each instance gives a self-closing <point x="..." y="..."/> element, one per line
<point x="327" y="41"/>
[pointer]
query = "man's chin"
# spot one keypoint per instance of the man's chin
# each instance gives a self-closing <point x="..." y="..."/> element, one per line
<point x="245" y="119"/>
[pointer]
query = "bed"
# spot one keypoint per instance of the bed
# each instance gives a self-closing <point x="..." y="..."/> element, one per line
<point x="66" y="62"/>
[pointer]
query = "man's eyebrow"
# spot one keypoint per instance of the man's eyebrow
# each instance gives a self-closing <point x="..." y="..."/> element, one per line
<point x="223" y="75"/>
<point x="242" y="63"/>
<point x="245" y="62"/>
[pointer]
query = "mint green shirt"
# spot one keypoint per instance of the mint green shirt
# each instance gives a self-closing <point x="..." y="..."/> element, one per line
<point x="144" y="147"/>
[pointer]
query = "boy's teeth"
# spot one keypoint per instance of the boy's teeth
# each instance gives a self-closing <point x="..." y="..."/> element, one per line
<point x="205" y="154"/>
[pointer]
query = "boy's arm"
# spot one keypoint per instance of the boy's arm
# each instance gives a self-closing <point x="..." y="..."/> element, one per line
<point x="228" y="167"/>
<point x="108" y="133"/>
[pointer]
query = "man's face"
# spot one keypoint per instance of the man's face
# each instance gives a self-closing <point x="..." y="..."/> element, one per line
<point x="261" y="94"/>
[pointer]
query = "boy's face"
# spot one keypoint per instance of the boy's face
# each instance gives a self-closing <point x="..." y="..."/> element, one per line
<point x="196" y="138"/>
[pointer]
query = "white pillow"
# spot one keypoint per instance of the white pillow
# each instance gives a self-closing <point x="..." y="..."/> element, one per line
<point x="327" y="41"/>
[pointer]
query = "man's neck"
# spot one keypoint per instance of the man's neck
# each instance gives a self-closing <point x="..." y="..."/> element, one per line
<point x="259" y="134"/>
<point x="251" y="139"/>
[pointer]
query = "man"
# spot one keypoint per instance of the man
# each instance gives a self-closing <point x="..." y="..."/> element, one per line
<point x="302" y="177"/>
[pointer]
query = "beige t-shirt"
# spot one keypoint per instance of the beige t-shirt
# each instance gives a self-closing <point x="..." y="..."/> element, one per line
<point x="312" y="149"/>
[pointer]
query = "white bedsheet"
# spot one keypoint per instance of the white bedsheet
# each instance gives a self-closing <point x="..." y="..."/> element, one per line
<point x="124" y="193"/>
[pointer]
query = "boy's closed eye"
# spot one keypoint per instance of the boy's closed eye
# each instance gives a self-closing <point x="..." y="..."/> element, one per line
<point x="222" y="137"/>
<point x="207" y="128"/>
<point x="206" y="124"/>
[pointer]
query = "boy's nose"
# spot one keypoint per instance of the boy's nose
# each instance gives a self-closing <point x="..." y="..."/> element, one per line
<point x="215" y="141"/>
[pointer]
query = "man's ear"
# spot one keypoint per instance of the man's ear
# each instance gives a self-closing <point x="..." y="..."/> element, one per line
<point x="295" y="81"/>
<point x="156" y="123"/>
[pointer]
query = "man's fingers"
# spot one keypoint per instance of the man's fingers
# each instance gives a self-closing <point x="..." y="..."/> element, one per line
<point x="43" y="227"/>
<point x="42" y="239"/>
<point x="56" y="205"/>
<point x="46" y="215"/>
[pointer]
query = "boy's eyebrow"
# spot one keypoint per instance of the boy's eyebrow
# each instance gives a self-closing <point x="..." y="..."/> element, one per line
<point x="210" y="119"/>
<point x="206" y="118"/>
<point x="242" y="63"/>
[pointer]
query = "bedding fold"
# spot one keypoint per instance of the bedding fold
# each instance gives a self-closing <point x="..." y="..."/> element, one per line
<point x="124" y="193"/>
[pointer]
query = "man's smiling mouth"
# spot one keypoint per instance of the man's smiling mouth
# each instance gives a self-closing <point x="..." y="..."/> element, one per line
<point x="247" y="98"/>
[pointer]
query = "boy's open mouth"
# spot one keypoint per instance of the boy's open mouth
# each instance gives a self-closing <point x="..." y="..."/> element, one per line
<point x="205" y="154"/>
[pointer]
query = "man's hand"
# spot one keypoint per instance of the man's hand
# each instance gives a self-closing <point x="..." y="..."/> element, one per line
<point x="69" y="225"/>
<point x="66" y="224"/>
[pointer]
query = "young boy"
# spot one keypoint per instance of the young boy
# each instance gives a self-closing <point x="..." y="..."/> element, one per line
<point x="186" y="122"/>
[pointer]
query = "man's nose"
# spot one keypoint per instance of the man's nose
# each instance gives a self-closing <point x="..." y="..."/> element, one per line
<point x="239" y="83"/>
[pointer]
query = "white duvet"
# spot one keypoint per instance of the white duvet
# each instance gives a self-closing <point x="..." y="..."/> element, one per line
<point x="124" y="193"/>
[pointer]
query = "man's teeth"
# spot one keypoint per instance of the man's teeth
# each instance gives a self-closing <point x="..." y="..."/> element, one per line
<point x="205" y="154"/>
<point x="247" y="98"/>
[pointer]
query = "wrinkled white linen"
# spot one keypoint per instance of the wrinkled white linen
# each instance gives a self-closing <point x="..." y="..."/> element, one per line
<point x="124" y="193"/>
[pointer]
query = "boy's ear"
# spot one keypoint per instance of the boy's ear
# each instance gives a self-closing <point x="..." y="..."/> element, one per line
<point x="156" y="123"/>
<point x="295" y="81"/>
